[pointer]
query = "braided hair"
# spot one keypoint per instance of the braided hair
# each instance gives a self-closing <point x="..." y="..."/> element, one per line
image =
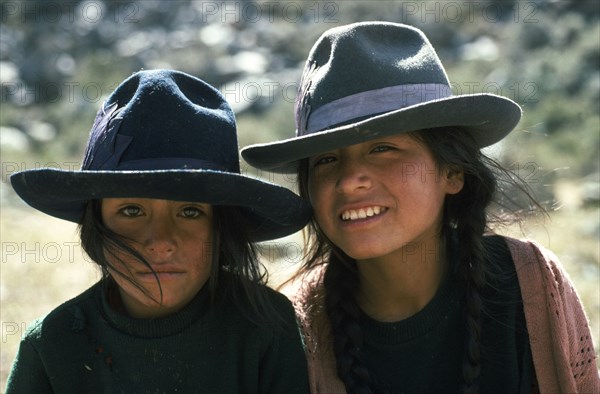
<point x="465" y="220"/>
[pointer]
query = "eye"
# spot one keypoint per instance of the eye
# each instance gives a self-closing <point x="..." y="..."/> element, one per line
<point x="323" y="160"/>
<point x="381" y="148"/>
<point x="190" y="212"/>
<point x="131" y="211"/>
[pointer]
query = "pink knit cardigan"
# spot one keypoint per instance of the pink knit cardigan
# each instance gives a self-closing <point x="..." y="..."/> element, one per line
<point x="559" y="334"/>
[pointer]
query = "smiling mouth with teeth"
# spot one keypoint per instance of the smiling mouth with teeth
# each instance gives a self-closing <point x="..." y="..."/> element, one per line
<point x="363" y="213"/>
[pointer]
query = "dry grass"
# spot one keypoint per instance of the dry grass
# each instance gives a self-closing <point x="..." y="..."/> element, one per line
<point x="42" y="266"/>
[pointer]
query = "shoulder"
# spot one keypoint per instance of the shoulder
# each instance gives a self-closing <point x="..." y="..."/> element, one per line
<point x="307" y="293"/>
<point x="308" y="299"/>
<point x="273" y="298"/>
<point x="497" y="254"/>
<point x="68" y="317"/>
<point x="280" y="303"/>
<point x="558" y="327"/>
<point x="253" y="309"/>
<point x="538" y="268"/>
<point x="535" y="262"/>
<point x="279" y="300"/>
<point x="524" y="255"/>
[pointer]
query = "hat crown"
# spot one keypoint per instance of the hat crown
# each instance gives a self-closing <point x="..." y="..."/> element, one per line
<point x="370" y="80"/>
<point x="364" y="57"/>
<point x="164" y="134"/>
<point x="163" y="119"/>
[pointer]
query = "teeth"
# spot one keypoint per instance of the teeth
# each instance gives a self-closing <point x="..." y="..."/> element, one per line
<point x="362" y="213"/>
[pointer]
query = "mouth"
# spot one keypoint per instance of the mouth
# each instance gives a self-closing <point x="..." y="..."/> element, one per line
<point x="362" y="213"/>
<point x="160" y="273"/>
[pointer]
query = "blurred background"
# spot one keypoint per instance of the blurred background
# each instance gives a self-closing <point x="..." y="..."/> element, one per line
<point x="60" y="60"/>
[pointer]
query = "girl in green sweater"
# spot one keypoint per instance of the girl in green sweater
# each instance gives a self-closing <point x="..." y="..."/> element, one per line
<point x="165" y="213"/>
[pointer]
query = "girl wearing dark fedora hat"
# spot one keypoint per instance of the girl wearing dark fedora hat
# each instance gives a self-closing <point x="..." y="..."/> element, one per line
<point x="405" y="288"/>
<point x="164" y="211"/>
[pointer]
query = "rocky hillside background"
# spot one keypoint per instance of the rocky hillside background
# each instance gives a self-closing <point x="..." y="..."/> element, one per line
<point x="59" y="60"/>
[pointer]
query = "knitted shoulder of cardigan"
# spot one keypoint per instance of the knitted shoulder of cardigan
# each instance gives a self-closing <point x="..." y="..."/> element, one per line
<point x="559" y="333"/>
<point x="309" y="301"/>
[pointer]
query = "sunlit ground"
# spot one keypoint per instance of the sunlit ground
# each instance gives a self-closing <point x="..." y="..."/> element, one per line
<point x="42" y="266"/>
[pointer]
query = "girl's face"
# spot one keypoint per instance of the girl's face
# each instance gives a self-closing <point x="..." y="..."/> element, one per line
<point x="174" y="237"/>
<point x="380" y="197"/>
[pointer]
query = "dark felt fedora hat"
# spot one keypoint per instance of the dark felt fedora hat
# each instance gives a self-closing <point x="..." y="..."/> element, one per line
<point x="373" y="79"/>
<point x="167" y="135"/>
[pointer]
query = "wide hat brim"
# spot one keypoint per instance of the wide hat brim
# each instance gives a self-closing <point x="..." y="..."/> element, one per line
<point x="272" y="211"/>
<point x="487" y="117"/>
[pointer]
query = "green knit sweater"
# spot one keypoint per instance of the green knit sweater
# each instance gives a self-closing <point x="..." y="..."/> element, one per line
<point x="84" y="346"/>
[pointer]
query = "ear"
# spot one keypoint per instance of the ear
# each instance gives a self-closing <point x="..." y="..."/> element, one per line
<point x="455" y="180"/>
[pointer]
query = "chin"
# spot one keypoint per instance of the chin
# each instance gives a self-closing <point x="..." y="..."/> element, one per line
<point x="363" y="254"/>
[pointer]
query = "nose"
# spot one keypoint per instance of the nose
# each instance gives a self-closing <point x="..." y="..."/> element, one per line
<point x="160" y="241"/>
<point x="352" y="176"/>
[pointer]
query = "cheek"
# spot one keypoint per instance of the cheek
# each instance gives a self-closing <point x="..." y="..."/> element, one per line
<point x="317" y="197"/>
<point x="120" y="259"/>
<point x="200" y="246"/>
<point x="318" y="191"/>
<point x="202" y="253"/>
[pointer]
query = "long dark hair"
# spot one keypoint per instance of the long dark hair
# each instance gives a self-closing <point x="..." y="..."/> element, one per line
<point x="236" y="273"/>
<point x="465" y="220"/>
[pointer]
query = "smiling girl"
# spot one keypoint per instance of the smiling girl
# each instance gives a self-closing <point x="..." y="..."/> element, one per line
<point x="163" y="210"/>
<point x="405" y="289"/>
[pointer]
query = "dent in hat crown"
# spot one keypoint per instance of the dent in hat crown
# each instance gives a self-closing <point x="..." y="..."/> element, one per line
<point x="367" y="68"/>
<point x="163" y="119"/>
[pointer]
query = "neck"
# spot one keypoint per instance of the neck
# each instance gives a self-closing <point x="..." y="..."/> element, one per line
<point x="397" y="286"/>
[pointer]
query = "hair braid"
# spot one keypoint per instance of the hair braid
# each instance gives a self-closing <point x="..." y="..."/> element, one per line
<point x="466" y="220"/>
<point x="471" y="270"/>
<point x="341" y="282"/>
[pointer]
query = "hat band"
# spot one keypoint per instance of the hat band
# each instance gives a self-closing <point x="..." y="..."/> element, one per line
<point x="170" y="163"/>
<point x="373" y="102"/>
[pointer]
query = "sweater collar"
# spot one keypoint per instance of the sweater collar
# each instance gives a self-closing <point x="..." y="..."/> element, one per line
<point x="444" y="305"/>
<point x="152" y="328"/>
